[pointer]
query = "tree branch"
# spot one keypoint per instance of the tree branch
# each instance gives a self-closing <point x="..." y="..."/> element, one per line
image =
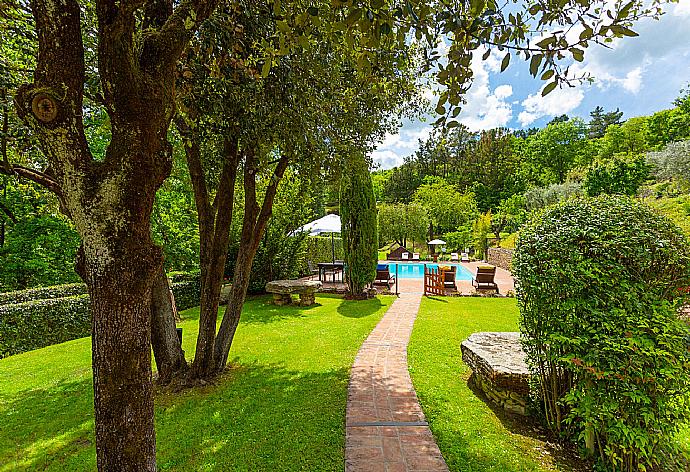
<point x="8" y="212"/>
<point x="35" y="176"/>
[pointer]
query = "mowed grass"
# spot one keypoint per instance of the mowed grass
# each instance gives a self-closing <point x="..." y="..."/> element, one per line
<point x="281" y="406"/>
<point x="472" y="435"/>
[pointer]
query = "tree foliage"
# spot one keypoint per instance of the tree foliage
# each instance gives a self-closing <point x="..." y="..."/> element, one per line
<point x="600" y="283"/>
<point x="358" y="216"/>
<point x="621" y="175"/>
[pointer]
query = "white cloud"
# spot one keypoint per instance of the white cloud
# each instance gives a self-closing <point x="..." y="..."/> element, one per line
<point x="484" y="108"/>
<point x="558" y="102"/>
<point x="395" y="147"/>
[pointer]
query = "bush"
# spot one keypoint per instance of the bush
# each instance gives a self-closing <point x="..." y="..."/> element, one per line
<point x="319" y="249"/>
<point x="42" y="293"/>
<point x="599" y="288"/>
<point x="40" y="323"/>
<point x="537" y="198"/>
<point x="621" y="175"/>
<point x="187" y="292"/>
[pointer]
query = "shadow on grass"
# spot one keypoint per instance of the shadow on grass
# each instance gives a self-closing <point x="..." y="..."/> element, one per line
<point x="255" y="417"/>
<point x="566" y="458"/>
<point x="359" y="308"/>
<point x="259" y="309"/>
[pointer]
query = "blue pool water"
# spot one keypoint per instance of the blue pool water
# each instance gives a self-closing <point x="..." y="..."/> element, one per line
<point x="415" y="270"/>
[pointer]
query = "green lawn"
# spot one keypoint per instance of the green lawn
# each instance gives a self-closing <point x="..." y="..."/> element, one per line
<point x="282" y="406"/>
<point x="473" y="436"/>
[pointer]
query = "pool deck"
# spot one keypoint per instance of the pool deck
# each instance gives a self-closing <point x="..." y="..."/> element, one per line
<point x="503" y="279"/>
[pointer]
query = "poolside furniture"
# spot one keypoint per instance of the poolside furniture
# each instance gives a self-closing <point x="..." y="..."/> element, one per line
<point x="383" y="275"/>
<point x="415" y="256"/>
<point x="484" y="279"/>
<point x="332" y="268"/>
<point x="464" y="257"/>
<point x="396" y="254"/>
<point x="405" y="256"/>
<point x="283" y="290"/>
<point x="312" y="269"/>
<point x="448" y="276"/>
<point x="454" y="257"/>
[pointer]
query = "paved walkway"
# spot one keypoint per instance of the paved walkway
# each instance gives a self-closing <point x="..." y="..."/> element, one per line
<point x="386" y="428"/>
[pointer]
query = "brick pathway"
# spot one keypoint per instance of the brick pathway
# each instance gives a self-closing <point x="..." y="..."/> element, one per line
<point x="386" y="429"/>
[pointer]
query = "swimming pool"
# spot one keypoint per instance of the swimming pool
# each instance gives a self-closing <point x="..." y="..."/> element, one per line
<point x="415" y="270"/>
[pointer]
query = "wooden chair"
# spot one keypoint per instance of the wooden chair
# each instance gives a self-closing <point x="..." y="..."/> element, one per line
<point x="485" y="278"/>
<point x="449" y="273"/>
<point x="313" y="271"/>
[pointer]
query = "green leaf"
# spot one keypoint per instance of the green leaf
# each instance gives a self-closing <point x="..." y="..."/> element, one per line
<point x="547" y="75"/>
<point x="313" y="11"/>
<point x="578" y="54"/>
<point x="549" y="88"/>
<point x="486" y="55"/>
<point x="505" y="62"/>
<point x="266" y="68"/>
<point x="534" y="64"/>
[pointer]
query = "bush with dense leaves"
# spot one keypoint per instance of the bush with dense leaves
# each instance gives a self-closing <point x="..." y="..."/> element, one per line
<point x="600" y="283"/>
<point x="43" y="293"/>
<point x="621" y="175"/>
<point x="39" y="323"/>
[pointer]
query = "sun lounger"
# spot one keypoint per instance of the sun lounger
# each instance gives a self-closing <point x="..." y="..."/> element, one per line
<point x="383" y="275"/>
<point x="454" y="257"/>
<point x="484" y="279"/>
<point x="464" y="257"/>
<point x="405" y="256"/>
<point x="415" y="256"/>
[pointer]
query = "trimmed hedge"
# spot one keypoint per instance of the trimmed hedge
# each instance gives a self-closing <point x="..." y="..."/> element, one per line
<point x="43" y="293"/>
<point x="187" y="293"/>
<point x="40" y="323"/>
<point x="27" y="323"/>
<point x="319" y="249"/>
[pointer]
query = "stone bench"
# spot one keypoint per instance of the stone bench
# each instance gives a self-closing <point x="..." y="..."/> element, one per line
<point x="499" y="368"/>
<point x="283" y="290"/>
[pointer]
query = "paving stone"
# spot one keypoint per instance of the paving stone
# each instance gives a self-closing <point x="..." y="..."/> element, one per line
<point x="381" y="390"/>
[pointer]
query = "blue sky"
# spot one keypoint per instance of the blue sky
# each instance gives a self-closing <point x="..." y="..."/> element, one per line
<point x="637" y="75"/>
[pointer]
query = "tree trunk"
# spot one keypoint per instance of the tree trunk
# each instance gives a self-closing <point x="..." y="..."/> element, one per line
<point x="121" y="355"/>
<point x="167" y="349"/>
<point x="253" y="226"/>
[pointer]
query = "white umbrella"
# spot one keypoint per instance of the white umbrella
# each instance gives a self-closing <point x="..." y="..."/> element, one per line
<point x="327" y="224"/>
<point x="436" y="242"/>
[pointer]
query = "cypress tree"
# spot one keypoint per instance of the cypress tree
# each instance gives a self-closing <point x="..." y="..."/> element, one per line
<point x="358" y="217"/>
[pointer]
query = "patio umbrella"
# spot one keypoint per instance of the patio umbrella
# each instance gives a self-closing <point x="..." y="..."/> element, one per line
<point x="327" y="224"/>
<point x="436" y="242"/>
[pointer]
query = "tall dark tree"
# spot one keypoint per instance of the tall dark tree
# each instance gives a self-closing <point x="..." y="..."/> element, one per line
<point x="358" y="216"/>
<point x="600" y="120"/>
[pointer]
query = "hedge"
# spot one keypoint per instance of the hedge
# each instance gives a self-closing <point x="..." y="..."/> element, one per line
<point x="319" y="249"/>
<point x="43" y="293"/>
<point x="35" y="324"/>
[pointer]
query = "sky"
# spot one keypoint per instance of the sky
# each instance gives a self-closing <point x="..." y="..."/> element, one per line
<point x="638" y="75"/>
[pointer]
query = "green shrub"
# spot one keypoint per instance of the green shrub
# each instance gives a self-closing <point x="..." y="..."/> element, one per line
<point x="358" y="214"/>
<point x="319" y="249"/>
<point x="39" y="323"/>
<point x="43" y="293"/>
<point x="621" y="175"/>
<point x="187" y="293"/>
<point x="599" y="285"/>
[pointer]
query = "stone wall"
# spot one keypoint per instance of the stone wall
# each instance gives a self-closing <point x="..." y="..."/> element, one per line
<point x="500" y="257"/>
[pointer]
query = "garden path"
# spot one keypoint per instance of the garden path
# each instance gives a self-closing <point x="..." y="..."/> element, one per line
<point x="386" y="428"/>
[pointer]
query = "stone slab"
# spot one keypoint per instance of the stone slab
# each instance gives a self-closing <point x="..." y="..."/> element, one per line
<point x="499" y="368"/>
<point x="293" y="286"/>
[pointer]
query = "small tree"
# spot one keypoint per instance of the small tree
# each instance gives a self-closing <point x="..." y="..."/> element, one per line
<point x="358" y="216"/>
<point x="480" y="231"/>
<point x="600" y="283"/>
<point x="622" y="175"/>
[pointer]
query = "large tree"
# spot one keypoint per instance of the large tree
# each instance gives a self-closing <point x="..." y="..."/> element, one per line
<point x="136" y="44"/>
<point x="109" y="200"/>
